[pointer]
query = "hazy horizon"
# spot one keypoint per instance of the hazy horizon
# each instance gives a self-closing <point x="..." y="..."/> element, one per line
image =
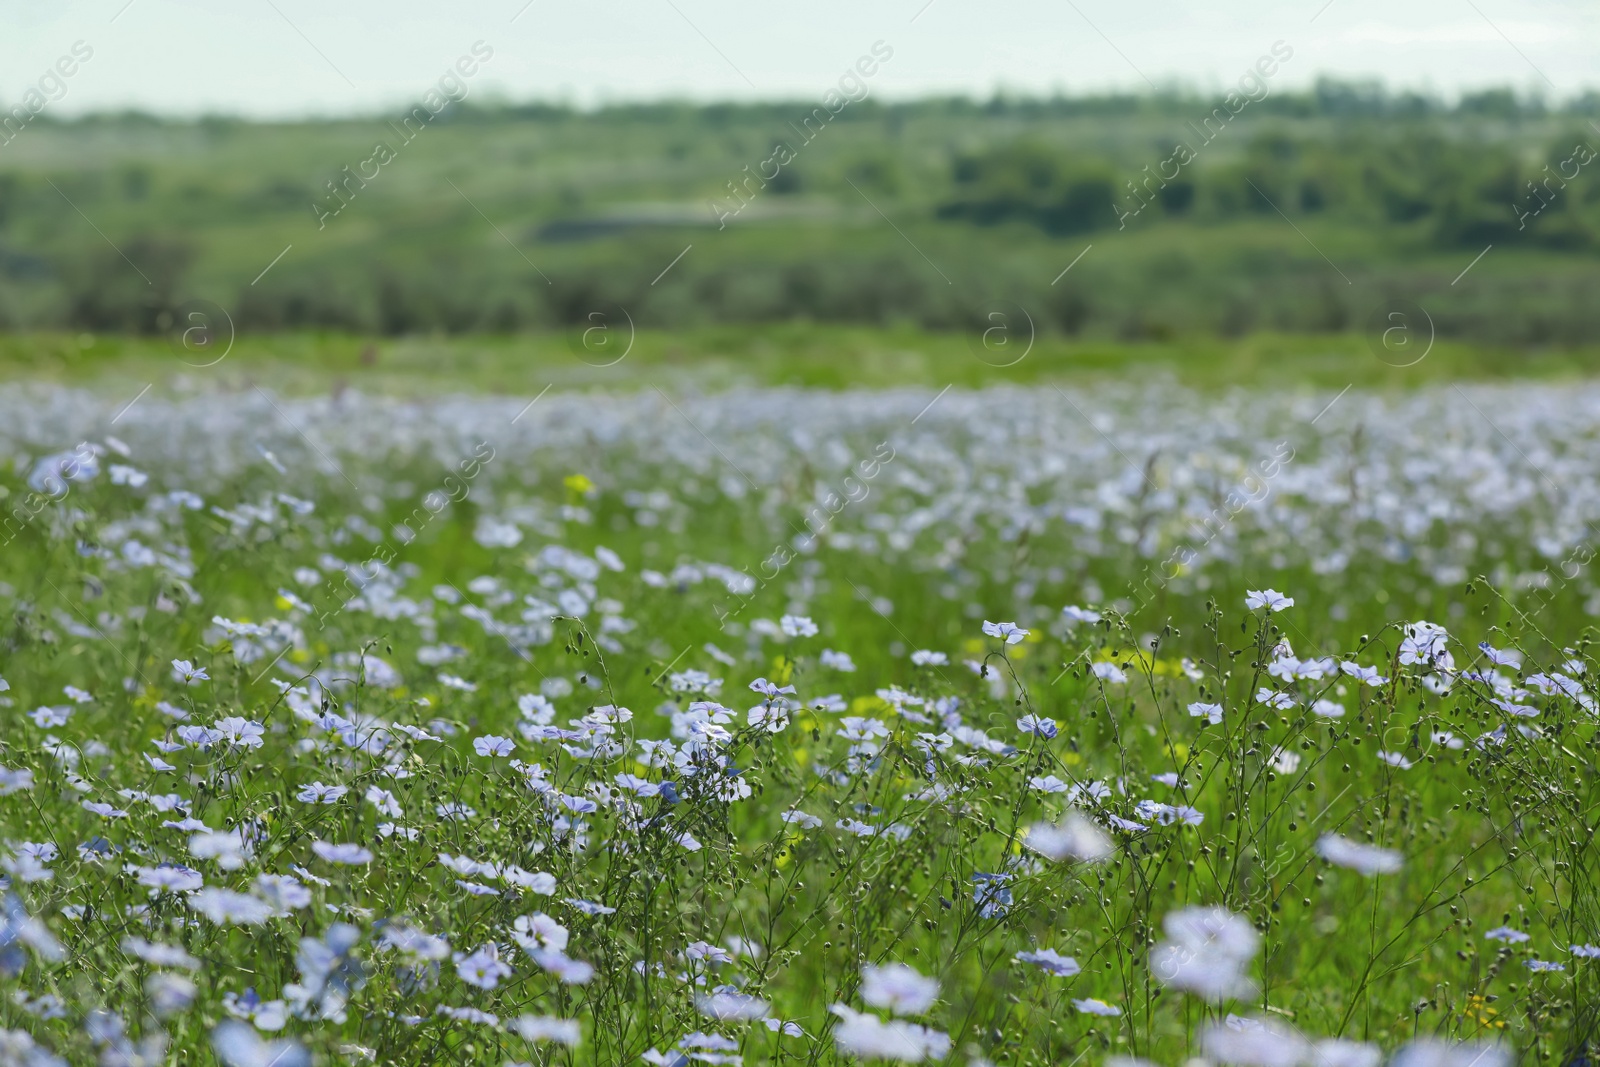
<point x="385" y="110"/>
<point x="290" y="59"/>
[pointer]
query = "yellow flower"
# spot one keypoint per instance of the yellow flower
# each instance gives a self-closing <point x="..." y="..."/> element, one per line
<point x="786" y="853"/>
<point x="1140" y="660"/>
<point x="578" y="485"/>
<point x="873" y="705"/>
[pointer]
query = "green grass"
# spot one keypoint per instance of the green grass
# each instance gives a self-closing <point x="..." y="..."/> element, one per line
<point x="107" y="222"/>
<point x="1488" y="837"/>
<point x="810" y="356"/>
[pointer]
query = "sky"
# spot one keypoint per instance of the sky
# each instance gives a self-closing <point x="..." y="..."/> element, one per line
<point x="290" y="58"/>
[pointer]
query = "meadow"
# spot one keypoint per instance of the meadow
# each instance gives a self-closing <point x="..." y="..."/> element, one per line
<point x="1135" y="709"/>
<point x="1305" y="214"/>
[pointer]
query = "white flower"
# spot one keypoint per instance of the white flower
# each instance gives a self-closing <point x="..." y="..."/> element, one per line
<point x="1424" y="644"/>
<point x="27" y="869"/>
<point x="461" y="864"/>
<point x="490" y="745"/>
<point x="1212" y="713"/>
<point x="241" y="732"/>
<point x="1169" y="814"/>
<point x="1270" y="599"/>
<point x="537" y="931"/>
<point x="838" y="661"/>
<point x="1208" y="950"/>
<point x="1364" y="675"/>
<point x="229" y="848"/>
<point x="351" y="855"/>
<point x="773" y="718"/>
<point x="536" y="708"/>
<point x="1074" y="838"/>
<point x="899" y="988"/>
<point x="1254" y="1043"/>
<point x="1074" y="614"/>
<point x="1008" y="630"/>
<point x="770" y="690"/>
<point x="1432" y="1052"/>
<point x="105" y="811"/>
<point x="317" y="793"/>
<point x="547" y="1028"/>
<point x="159" y="955"/>
<point x="224" y="906"/>
<point x="187" y="673"/>
<point x="415" y="944"/>
<point x="170" y="879"/>
<point x="237" y="1045"/>
<point x="1048" y="959"/>
<point x="1035" y="724"/>
<point x="1357" y="856"/>
<point x="731" y="1007"/>
<point x="1092" y="789"/>
<point x="570" y="971"/>
<point x="926" y="657"/>
<point x="1272" y="699"/>
<point x="483" y="967"/>
<point x="461" y="685"/>
<point x="798" y="626"/>
<point x="1109" y="672"/>
<point x="1284" y="761"/>
<point x="1092" y="1006"/>
<point x="539" y="882"/>
<point x="133" y="477"/>
<point x="1499" y="658"/>
<point x="1339" y="1052"/>
<point x="869" y="1037"/>
<point x="285" y="894"/>
<point x="384" y="801"/>
<point x="46" y="717"/>
<point x="169" y="994"/>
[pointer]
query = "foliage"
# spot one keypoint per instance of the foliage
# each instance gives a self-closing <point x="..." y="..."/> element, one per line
<point x="317" y="723"/>
<point x="505" y="218"/>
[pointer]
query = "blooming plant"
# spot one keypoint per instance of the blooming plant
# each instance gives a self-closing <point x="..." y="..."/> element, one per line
<point x="516" y="789"/>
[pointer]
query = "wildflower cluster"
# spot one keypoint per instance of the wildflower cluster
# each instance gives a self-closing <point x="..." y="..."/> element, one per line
<point x="521" y="793"/>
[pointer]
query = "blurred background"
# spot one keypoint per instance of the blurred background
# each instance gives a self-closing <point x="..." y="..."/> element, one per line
<point x="1134" y="175"/>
